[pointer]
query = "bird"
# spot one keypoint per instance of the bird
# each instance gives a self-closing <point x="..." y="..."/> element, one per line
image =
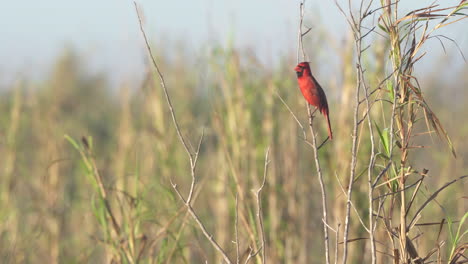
<point x="312" y="91"/>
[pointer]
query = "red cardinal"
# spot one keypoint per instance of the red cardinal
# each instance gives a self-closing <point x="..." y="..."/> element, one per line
<point x="312" y="91"/>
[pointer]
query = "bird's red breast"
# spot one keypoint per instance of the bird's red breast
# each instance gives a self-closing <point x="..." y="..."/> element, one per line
<point x="310" y="88"/>
<point x="312" y="91"/>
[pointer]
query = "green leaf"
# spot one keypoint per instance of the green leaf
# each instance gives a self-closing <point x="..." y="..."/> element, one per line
<point x="383" y="28"/>
<point x="455" y="239"/>
<point x="72" y="142"/>
<point x="462" y="221"/>
<point x="384" y="138"/>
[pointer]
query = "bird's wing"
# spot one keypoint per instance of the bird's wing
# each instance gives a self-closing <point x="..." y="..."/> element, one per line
<point x="323" y="104"/>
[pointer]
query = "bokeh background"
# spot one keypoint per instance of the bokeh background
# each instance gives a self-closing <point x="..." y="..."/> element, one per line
<point x="81" y="69"/>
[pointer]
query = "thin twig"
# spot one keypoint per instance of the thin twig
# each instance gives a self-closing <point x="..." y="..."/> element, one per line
<point x="370" y="167"/>
<point x="434" y="195"/>
<point x="252" y="254"/>
<point x="424" y="174"/>
<point x="193" y="157"/>
<point x="322" y="186"/>
<point x="336" y="242"/>
<point x="293" y="115"/>
<point x="314" y="142"/>
<point x="259" y="205"/>
<point x="300" y="45"/>
<point x="236" y="227"/>
<point x="202" y="226"/>
<point x="352" y="205"/>
<point x="353" y="159"/>
<point x="381" y="174"/>
<point x="399" y="191"/>
<point x="163" y="85"/>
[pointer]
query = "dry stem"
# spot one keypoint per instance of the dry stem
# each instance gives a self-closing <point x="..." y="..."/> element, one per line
<point x="193" y="157"/>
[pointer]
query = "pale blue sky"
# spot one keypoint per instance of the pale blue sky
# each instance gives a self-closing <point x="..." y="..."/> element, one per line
<point x="33" y="33"/>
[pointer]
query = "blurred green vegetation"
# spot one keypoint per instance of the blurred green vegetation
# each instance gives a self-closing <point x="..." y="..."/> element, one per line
<point x="48" y="206"/>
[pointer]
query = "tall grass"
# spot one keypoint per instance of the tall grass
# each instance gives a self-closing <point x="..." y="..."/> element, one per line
<point x="105" y="194"/>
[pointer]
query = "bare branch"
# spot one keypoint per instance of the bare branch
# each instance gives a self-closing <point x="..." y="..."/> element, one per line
<point x="293" y="115"/>
<point x="352" y="205"/>
<point x="163" y="85"/>
<point x="381" y="174"/>
<point x="252" y="254"/>
<point x="314" y="141"/>
<point x="236" y="227"/>
<point x="193" y="157"/>
<point x="193" y="166"/>
<point x="434" y="195"/>
<point x="259" y="206"/>
<point x="337" y="242"/>
<point x="400" y="190"/>
<point x="322" y="185"/>
<point x="202" y="226"/>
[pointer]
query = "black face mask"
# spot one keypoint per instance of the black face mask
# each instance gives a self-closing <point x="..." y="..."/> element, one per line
<point x="299" y="74"/>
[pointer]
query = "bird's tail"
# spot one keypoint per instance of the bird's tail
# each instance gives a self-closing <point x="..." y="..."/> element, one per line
<point x="330" y="134"/>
